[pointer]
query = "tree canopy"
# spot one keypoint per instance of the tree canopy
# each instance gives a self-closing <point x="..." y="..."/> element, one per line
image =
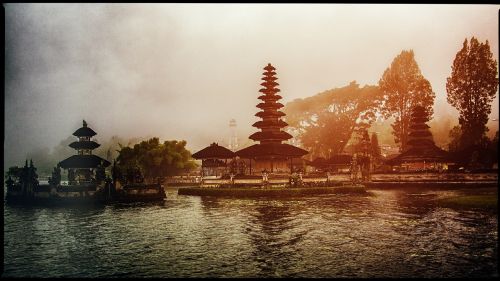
<point x="471" y="88"/>
<point x="325" y="122"/>
<point x="155" y="159"/>
<point x="404" y="87"/>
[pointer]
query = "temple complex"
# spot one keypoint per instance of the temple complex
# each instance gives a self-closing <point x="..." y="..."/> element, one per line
<point x="84" y="166"/>
<point x="270" y="154"/>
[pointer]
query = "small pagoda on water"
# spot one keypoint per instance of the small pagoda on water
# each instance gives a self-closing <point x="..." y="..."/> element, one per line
<point x="84" y="167"/>
<point x="421" y="152"/>
<point x="270" y="154"/>
<point x="87" y="181"/>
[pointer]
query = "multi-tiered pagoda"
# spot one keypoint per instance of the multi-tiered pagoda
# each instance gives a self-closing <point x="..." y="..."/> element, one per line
<point x="84" y="167"/>
<point x="421" y="149"/>
<point x="270" y="154"/>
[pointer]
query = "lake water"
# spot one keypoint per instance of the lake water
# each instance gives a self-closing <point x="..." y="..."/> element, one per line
<point x="392" y="233"/>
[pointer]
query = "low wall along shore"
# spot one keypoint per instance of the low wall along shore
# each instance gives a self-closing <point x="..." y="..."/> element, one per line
<point x="271" y="191"/>
<point x="338" y="179"/>
<point x="251" y="187"/>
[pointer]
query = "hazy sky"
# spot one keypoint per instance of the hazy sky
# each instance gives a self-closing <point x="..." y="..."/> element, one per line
<point x="182" y="71"/>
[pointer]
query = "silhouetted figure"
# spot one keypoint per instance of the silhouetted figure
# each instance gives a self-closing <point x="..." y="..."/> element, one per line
<point x="264" y="177"/>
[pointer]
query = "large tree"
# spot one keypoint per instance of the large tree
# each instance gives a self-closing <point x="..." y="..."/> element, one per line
<point x="471" y="88"/>
<point x="404" y="87"/>
<point x="325" y="122"/>
<point x="155" y="159"/>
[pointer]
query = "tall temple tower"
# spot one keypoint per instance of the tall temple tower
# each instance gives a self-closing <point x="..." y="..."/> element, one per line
<point x="419" y="137"/>
<point x="233" y="139"/>
<point x="421" y="148"/>
<point x="270" y="154"/>
<point x="271" y="123"/>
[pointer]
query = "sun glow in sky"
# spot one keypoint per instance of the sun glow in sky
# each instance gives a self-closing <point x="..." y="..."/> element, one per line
<point x="182" y="71"/>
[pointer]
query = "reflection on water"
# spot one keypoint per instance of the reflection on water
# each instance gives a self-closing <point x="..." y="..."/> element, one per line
<point x="389" y="234"/>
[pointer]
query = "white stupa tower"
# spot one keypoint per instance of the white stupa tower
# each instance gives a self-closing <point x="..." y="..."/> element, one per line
<point x="233" y="140"/>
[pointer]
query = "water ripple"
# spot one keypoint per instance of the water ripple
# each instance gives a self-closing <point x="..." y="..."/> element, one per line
<point x="389" y="234"/>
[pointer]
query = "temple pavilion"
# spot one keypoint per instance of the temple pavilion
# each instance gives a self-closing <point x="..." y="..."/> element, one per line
<point x="214" y="159"/>
<point x="84" y="166"/>
<point x="421" y="152"/>
<point x="270" y="154"/>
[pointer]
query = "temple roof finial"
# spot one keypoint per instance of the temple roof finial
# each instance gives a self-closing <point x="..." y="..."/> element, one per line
<point x="269" y="67"/>
<point x="84" y="123"/>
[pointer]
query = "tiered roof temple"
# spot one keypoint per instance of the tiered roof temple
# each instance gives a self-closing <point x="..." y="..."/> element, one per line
<point x="420" y="146"/>
<point x="84" y="162"/>
<point x="270" y="154"/>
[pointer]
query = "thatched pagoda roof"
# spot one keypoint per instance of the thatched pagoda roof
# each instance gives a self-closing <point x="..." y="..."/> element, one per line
<point x="269" y="83"/>
<point x="419" y="126"/>
<point x="84" y="161"/>
<point x="420" y="133"/>
<point x="276" y="123"/>
<point x="263" y="114"/>
<point x="279" y="135"/>
<point x="270" y="97"/>
<point x="271" y="149"/>
<point x="84" y="131"/>
<point x="421" y="154"/>
<point x="84" y="145"/>
<point x="270" y="105"/>
<point x="214" y="151"/>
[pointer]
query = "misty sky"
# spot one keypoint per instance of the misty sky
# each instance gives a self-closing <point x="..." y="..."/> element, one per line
<point x="182" y="71"/>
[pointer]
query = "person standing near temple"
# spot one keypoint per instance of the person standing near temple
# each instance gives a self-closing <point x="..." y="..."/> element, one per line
<point x="264" y="176"/>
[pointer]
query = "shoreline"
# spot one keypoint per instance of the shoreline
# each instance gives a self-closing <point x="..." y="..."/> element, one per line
<point x="429" y="184"/>
<point x="345" y="188"/>
<point x="270" y="192"/>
